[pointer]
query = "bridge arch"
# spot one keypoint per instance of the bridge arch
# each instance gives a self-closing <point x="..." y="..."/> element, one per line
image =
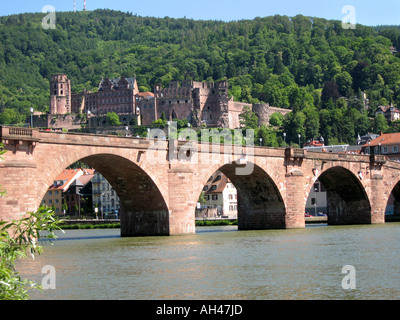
<point x="260" y="204"/>
<point x="393" y="199"/>
<point x="348" y="202"/>
<point x="143" y="208"/>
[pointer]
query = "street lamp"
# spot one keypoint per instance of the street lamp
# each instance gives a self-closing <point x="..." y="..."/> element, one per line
<point x="284" y="139"/>
<point x="260" y="142"/>
<point x="31" y="117"/>
<point x="126" y="129"/>
<point x="299" y="135"/>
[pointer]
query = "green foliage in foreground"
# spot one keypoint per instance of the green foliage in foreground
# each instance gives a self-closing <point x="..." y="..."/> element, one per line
<point x="17" y="239"/>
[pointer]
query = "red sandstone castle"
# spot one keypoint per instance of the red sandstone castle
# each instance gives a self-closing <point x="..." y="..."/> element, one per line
<point x="205" y="103"/>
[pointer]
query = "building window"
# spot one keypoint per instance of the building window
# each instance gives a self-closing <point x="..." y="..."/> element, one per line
<point x="395" y="149"/>
<point x="215" y="197"/>
<point x="312" y="201"/>
<point x="384" y="149"/>
<point x="316" y="187"/>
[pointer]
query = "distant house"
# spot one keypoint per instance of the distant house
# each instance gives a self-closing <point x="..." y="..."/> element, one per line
<point x="220" y="197"/>
<point x="55" y="195"/>
<point x="366" y="138"/>
<point x="387" y="144"/>
<point x="389" y="112"/>
<point x="78" y="197"/>
<point x="315" y="143"/>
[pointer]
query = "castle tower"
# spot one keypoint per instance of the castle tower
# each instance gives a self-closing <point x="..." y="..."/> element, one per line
<point x="60" y="94"/>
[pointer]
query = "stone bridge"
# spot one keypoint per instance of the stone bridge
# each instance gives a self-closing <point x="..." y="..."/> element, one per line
<point x="159" y="181"/>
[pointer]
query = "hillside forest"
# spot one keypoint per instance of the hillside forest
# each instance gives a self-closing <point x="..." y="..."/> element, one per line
<point x="332" y="78"/>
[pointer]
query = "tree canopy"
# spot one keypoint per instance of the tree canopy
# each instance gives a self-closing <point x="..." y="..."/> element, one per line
<point x="304" y="63"/>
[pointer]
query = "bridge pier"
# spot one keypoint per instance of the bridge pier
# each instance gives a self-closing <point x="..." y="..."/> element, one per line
<point x="378" y="201"/>
<point x="181" y="205"/>
<point x="294" y="199"/>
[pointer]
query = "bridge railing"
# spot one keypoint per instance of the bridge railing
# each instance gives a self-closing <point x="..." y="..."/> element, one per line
<point x="18" y="133"/>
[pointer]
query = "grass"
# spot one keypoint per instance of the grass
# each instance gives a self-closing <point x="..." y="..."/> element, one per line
<point x="205" y="223"/>
<point x="90" y="226"/>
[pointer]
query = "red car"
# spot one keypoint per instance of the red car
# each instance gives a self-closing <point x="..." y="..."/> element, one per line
<point x="307" y="214"/>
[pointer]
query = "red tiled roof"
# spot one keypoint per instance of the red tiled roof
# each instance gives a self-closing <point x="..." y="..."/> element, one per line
<point x="146" y="94"/>
<point x="219" y="184"/>
<point x="384" y="139"/>
<point x="66" y="176"/>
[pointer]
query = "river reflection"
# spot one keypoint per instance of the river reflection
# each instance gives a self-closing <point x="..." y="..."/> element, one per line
<point x="223" y="263"/>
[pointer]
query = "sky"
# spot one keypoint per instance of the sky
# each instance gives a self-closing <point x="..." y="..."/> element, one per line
<point x="366" y="12"/>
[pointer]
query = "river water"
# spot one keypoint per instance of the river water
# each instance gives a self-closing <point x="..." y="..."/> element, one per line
<point x="223" y="263"/>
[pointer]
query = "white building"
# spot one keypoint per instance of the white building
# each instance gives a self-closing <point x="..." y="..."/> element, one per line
<point x="220" y="197"/>
<point x="317" y="200"/>
<point x="104" y="197"/>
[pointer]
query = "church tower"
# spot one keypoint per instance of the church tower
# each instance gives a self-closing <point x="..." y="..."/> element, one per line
<point x="60" y="94"/>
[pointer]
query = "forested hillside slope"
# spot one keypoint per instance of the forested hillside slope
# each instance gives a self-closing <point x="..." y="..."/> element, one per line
<point x="306" y="64"/>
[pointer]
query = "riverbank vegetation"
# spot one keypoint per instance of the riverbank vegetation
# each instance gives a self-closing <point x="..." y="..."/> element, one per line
<point x="88" y="225"/>
<point x="18" y="239"/>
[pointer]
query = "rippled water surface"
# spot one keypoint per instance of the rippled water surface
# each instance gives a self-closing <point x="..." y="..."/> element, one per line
<point x="223" y="263"/>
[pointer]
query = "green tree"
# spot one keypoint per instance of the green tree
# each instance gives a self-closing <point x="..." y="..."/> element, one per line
<point x="380" y="124"/>
<point x="113" y="119"/>
<point x="248" y="119"/>
<point x="276" y="119"/>
<point x="17" y="239"/>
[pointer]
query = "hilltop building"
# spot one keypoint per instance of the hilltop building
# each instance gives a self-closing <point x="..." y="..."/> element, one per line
<point x="201" y="103"/>
<point x="390" y="112"/>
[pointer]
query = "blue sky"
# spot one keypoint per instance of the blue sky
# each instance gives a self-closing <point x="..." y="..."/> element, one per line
<point x="368" y="12"/>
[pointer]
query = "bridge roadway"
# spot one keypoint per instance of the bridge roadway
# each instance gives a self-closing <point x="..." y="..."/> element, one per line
<point x="159" y="181"/>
